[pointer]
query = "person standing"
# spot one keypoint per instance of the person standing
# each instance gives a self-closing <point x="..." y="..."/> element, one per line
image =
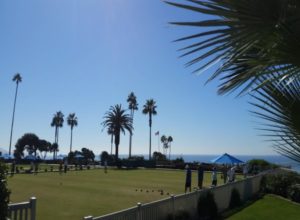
<point x="225" y="173"/>
<point x="60" y="168"/>
<point x="65" y="165"/>
<point x="231" y="174"/>
<point x="200" y="176"/>
<point x="12" y="169"/>
<point x="105" y="166"/>
<point x="36" y="168"/>
<point x="214" y="177"/>
<point x="245" y="170"/>
<point x="188" y="179"/>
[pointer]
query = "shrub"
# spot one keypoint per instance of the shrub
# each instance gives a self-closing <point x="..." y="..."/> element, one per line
<point x="235" y="199"/>
<point x="207" y="207"/>
<point x="279" y="183"/>
<point x="294" y="193"/>
<point x="258" y="165"/>
<point x="4" y="192"/>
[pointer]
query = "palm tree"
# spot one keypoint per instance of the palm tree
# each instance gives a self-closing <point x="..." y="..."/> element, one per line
<point x="170" y="140"/>
<point x="110" y="131"/>
<point x="57" y="122"/>
<point x="150" y="109"/>
<point x="132" y="106"/>
<point x="257" y="43"/>
<point x="278" y="104"/>
<point x="17" y="78"/>
<point x="72" y="121"/>
<point x="118" y="119"/>
<point x="164" y="141"/>
<point x="250" y="38"/>
<point x="54" y="149"/>
<point x="166" y="144"/>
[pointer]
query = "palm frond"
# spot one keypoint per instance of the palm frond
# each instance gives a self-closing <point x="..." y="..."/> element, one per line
<point x="278" y="104"/>
<point x="248" y="37"/>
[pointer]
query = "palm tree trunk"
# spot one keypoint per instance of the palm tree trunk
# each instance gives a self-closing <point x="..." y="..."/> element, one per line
<point x="170" y="152"/>
<point x="130" y="136"/>
<point x="117" y="152"/>
<point x="13" y="119"/>
<point x="55" y="141"/>
<point x="71" y="139"/>
<point x="150" y="125"/>
<point x="130" y="140"/>
<point x="57" y="135"/>
<point x="117" y="142"/>
<point x="150" y="145"/>
<point x="111" y="144"/>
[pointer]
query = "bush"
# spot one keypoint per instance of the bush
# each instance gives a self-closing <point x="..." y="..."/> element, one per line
<point x="279" y="184"/>
<point x="294" y="193"/>
<point x="235" y="199"/>
<point x="263" y="184"/>
<point x="207" y="207"/>
<point x="4" y="192"/>
<point x="258" y="165"/>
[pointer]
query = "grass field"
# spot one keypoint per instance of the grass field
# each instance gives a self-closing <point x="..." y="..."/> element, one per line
<point x="92" y="192"/>
<point x="269" y="207"/>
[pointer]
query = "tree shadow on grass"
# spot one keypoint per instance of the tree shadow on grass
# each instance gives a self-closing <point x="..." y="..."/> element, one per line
<point x="229" y="212"/>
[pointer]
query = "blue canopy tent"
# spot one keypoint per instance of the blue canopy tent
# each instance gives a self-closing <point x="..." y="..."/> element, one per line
<point x="61" y="157"/>
<point x="78" y="156"/>
<point x="30" y="157"/>
<point x="226" y="159"/>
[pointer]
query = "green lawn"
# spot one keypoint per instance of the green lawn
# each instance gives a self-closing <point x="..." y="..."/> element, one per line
<point x="81" y="193"/>
<point x="269" y="207"/>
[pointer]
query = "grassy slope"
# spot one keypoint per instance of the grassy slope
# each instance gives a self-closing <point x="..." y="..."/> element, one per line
<point x="81" y="193"/>
<point x="269" y="207"/>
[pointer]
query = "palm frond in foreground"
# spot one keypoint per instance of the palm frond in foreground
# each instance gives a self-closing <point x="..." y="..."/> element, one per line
<point x="278" y="104"/>
<point x="248" y="38"/>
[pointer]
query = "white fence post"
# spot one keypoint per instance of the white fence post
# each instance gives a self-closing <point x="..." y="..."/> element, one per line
<point x="32" y="208"/>
<point x="138" y="213"/>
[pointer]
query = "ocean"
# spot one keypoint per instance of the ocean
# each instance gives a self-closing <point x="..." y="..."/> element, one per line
<point x="276" y="159"/>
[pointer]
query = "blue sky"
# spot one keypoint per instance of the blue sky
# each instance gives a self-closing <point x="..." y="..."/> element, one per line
<point x="84" y="56"/>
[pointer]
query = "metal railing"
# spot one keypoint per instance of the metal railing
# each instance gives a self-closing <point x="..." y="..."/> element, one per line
<point x="160" y="210"/>
<point x="22" y="210"/>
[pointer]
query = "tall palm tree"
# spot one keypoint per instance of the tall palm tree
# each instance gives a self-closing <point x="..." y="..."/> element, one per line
<point x="150" y="109"/>
<point x="118" y="119"/>
<point x="132" y="106"/>
<point x="249" y="38"/>
<point x="17" y="78"/>
<point x="110" y="131"/>
<point x="170" y="140"/>
<point x="73" y="122"/>
<point x="57" y="122"/>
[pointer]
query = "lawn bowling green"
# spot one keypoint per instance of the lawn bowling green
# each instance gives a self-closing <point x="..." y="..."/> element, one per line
<point x="92" y="192"/>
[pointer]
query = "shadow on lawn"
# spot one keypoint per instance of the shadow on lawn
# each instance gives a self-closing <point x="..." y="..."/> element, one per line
<point x="228" y="213"/>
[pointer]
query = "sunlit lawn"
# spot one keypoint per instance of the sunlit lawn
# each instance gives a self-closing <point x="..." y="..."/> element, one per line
<point x="92" y="192"/>
<point x="269" y="207"/>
